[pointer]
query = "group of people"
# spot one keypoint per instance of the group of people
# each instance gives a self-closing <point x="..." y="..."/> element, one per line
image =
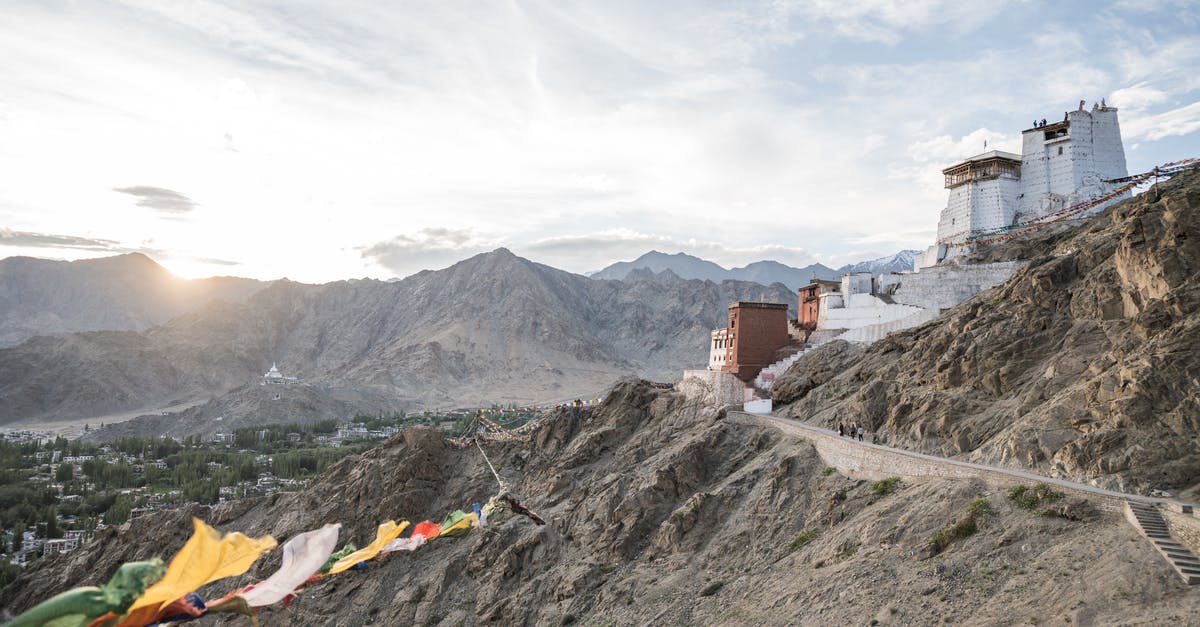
<point x="851" y="430"/>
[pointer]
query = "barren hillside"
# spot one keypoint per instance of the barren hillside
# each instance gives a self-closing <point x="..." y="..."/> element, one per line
<point x="662" y="512"/>
<point x="1085" y="364"/>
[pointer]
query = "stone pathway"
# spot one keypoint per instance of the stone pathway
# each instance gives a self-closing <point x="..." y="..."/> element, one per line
<point x="1147" y="519"/>
<point x="1141" y="511"/>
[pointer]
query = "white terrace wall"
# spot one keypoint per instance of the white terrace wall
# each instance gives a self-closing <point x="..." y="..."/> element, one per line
<point x="944" y="286"/>
<point x="868" y="311"/>
<point x="876" y="332"/>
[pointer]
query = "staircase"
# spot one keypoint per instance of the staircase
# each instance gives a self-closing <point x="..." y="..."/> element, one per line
<point x="1147" y="519"/>
<point x="796" y="332"/>
<point x="767" y="377"/>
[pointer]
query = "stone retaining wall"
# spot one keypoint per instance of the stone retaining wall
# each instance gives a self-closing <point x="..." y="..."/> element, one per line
<point x="871" y="461"/>
<point x="944" y="286"/>
<point x="1185" y="528"/>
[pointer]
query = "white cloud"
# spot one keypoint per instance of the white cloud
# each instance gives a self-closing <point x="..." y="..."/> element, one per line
<point x="1176" y="122"/>
<point x="1137" y="97"/>
<point x="946" y="150"/>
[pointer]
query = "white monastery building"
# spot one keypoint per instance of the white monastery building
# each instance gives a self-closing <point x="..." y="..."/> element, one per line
<point x="1060" y="164"/>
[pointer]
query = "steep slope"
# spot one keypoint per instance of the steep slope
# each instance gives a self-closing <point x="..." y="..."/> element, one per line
<point x="121" y="293"/>
<point x="662" y="512"/>
<point x="491" y="328"/>
<point x="1084" y="364"/>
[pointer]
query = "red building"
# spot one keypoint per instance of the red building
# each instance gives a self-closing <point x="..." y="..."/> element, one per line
<point x="754" y="336"/>
<point x="809" y="301"/>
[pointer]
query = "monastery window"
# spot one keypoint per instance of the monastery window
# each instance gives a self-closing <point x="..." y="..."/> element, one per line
<point x="1060" y="150"/>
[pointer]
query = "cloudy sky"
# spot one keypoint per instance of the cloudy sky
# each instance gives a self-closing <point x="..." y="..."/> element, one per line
<point x="345" y="139"/>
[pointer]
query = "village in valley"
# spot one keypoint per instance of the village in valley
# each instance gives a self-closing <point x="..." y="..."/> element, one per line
<point x="56" y="493"/>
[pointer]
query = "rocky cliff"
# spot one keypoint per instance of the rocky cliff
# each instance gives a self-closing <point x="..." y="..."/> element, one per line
<point x="662" y="512"/>
<point x="1084" y="364"/>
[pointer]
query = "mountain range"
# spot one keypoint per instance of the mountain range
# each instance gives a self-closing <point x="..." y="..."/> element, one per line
<point x="122" y="293"/>
<point x="765" y="272"/>
<point x="494" y="327"/>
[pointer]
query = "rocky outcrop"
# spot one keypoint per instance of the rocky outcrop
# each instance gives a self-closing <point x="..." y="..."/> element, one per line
<point x="660" y="511"/>
<point x="1083" y="365"/>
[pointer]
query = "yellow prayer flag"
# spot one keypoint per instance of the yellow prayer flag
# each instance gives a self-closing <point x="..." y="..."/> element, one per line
<point x="387" y="532"/>
<point x="206" y="557"/>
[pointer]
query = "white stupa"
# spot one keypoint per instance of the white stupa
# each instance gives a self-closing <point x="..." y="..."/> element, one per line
<point x="275" y="377"/>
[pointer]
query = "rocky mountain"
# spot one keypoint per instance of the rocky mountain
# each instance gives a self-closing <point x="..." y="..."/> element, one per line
<point x="121" y="293"/>
<point x="493" y="327"/>
<point x="660" y="511"/>
<point x="899" y="262"/>
<point x="681" y="264"/>
<point x="1084" y="364"/>
<point x="765" y="272"/>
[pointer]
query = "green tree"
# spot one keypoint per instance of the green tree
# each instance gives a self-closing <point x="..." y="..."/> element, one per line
<point x="18" y="536"/>
<point x="64" y="473"/>
<point x="8" y="572"/>
<point x="119" y="512"/>
<point x="52" y="529"/>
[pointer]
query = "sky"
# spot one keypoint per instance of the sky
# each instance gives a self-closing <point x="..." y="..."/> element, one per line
<point x="324" y="141"/>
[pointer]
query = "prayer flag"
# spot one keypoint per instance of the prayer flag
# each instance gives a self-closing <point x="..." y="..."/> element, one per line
<point x="206" y="557"/>
<point x="383" y="535"/>
<point x="303" y="555"/>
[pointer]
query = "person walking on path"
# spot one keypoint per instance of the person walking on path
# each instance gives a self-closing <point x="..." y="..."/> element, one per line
<point x="841" y="430"/>
<point x="861" y="431"/>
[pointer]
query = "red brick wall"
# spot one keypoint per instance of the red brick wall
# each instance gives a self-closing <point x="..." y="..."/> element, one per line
<point x="757" y="332"/>
<point x="807" y="306"/>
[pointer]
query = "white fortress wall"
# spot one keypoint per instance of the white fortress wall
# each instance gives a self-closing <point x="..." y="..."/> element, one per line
<point x="876" y="332"/>
<point x="955" y="220"/>
<point x="995" y="204"/>
<point x="1109" y="149"/>
<point x="865" y="310"/>
<point x="856" y="283"/>
<point x="1062" y="171"/>
<point x="944" y="286"/>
